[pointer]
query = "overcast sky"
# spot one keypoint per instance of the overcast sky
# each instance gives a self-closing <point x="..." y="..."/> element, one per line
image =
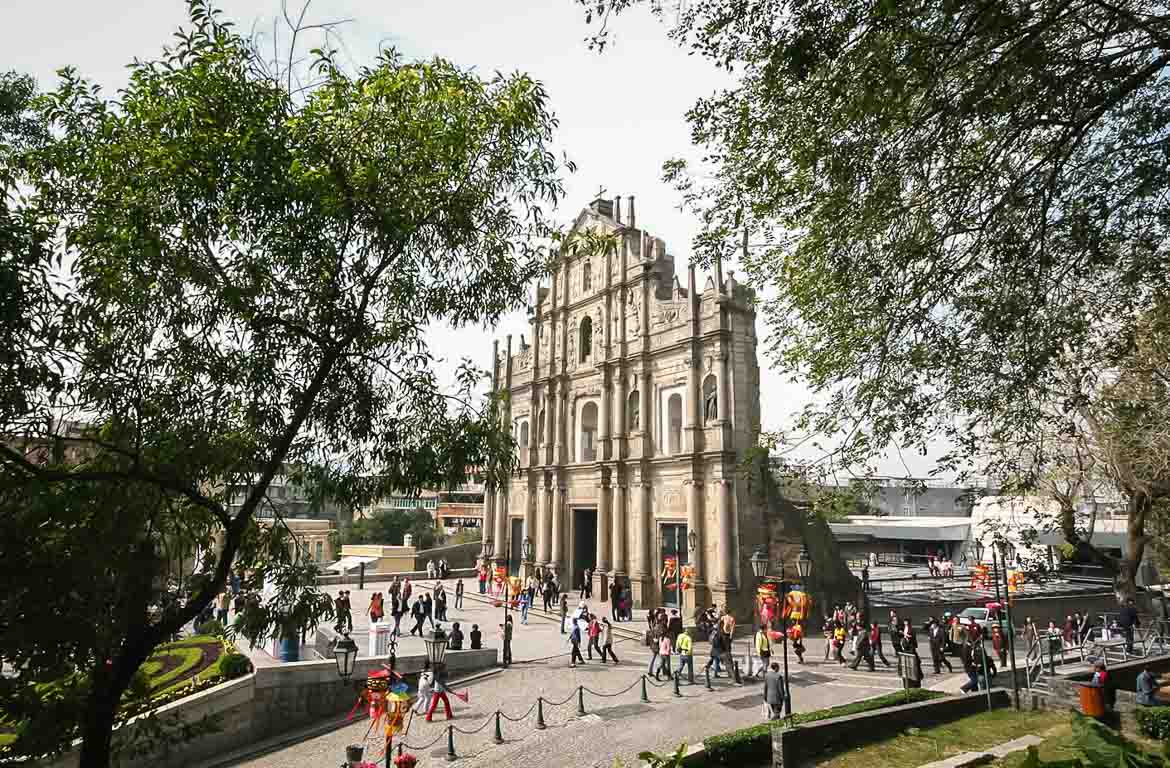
<point x="621" y="113"/>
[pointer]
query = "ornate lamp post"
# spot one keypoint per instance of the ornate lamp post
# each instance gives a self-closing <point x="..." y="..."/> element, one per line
<point x="345" y="653"/>
<point x="436" y="645"/>
<point x="527" y="550"/>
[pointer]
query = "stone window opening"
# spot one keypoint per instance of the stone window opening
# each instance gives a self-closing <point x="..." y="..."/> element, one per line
<point x="633" y="410"/>
<point x="524" y="434"/>
<point x="586" y="339"/>
<point x="589" y="432"/>
<point x="674" y="428"/>
<point x="540" y="428"/>
<point x="587" y="280"/>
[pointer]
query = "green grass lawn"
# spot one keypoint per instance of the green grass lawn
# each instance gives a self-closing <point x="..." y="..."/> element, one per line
<point x="913" y="747"/>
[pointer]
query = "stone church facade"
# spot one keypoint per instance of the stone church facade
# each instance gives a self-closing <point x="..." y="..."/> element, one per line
<point x="632" y="408"/>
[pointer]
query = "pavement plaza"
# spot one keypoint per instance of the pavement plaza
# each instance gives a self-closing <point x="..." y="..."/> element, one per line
<point x="617" y="724"/>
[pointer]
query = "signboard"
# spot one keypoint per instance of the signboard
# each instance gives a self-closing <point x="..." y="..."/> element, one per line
<point x="910" y="670"/>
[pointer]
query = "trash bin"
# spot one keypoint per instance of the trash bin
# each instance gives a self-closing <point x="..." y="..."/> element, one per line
<point x="290" y="649"/>
<point x="1092" y="698"/>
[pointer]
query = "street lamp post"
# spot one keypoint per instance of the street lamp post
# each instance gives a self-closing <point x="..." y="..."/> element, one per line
<point x="1011" y="627"/>
<point x="526" y="551"/>
<point x="760" y="564"/>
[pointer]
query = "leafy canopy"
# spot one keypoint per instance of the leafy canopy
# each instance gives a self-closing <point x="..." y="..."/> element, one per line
<point x="961" y="201"/>
<point x="220" y="279"/>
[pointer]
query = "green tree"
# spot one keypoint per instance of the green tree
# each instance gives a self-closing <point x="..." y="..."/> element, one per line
<point x="237" y="277"/>
<point x="953" y="208"/>
<point x="390" y="526"/>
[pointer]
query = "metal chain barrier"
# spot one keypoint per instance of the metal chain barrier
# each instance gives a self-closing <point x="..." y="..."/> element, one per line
<point x="491" y="718"/>
<point x="651" y="681"/>
<point x="428" y="745"/>
<point x="561" y="703"/>
<point x="522" y="717"/>
<point x="612" y="695"/>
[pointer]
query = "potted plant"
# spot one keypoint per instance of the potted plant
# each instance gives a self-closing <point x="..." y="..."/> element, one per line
<point x="405" y="760"/>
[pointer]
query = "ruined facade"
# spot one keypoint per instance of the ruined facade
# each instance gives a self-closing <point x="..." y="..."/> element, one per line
<point x="632" y="408"/>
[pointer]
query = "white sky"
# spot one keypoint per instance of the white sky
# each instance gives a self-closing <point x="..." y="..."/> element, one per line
<point x="621" y="113"/>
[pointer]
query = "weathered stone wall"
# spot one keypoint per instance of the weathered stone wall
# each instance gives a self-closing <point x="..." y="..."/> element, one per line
<point x="789" y="526"/>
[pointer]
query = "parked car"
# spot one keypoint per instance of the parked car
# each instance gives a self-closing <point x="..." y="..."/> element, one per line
<point x="984" y="618"/>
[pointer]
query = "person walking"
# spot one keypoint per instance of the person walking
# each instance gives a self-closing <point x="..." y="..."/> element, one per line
<point x="594" y="638"/>
<point x="865" y="578"/>
<point x="375" y="609"/>
<point x="407" y="589"/>
<point x="615" y="598"/>
<point x="419" y="614"/>
<point x="864" y="651"/>
<point x="441" y="604"/>
<point x="909" y="639"/>
<point x="764" y="650"/>
<point x="430" y="569"/>
<point x="481" y="577"/>
<point x="716" y="640"/>
<point x="828" y="627"/>
<point x="459" y="595"/>
<point x="663" y="656"/>
<point x="564" y="611"/>
<point x="575" y="641"/>
<point x="546" y="592"/>
<point x="998" y="645"/>
<point x="429" y="609"/>
<point x="685" y="647"/>
<point x="650" y="640"/>
<point x="875" y="642"/>
<point x="223" y="603"/>
<point x="1055" y="644"/>
<point x="507" y="631"/>
<point x="796" y="637"/>
<point x="397" y="609"/>
<point x="525" y="597"/>
<point x="607" y="640"/>
<point x="773" y="693"/>
<point x="967" y="658"/>
<point x="1127" y="619"/>
<point x="937" y="646"/>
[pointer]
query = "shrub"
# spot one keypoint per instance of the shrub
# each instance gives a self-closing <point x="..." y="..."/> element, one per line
<point x="212" y="627"/>
<point x="754" y="744"/>
<point x="233" y="665"/>
<point x="1154" y="722"/>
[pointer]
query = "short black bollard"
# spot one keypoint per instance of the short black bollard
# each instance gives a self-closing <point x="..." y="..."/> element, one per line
<point x="540" y="726"/>
<point x="645" y="698"/>
<point x="707" y="672"/>
<point x="451" y="743"/>
<point x="580" y="700"/>
<point x="499" y="737"/>
<point x="735" y="667"/>
<point x="677" y="692"/>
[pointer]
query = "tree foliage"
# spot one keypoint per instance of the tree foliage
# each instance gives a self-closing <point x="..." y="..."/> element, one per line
<point x="960" y="207"/>
<point x="221" y="277"/>
<point x="391" y="525"/>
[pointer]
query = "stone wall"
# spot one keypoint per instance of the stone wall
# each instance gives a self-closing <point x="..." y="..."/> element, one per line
<point x="269" y="702"/>
<point x="799" y="745"/>
<point x="789" y="527"/>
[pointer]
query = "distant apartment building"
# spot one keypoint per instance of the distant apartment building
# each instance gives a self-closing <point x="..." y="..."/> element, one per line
<point x="454" y="509"/>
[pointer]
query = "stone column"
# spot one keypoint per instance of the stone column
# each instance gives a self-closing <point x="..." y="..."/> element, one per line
<point x="604" y="452"/>
<point x="642" y="577"/>
<point x="559" y="455"/>
<point x="619" y="531"/>
<point x="724" y="524"/>
<point x="501" y="537"/>
<point x="556" y="531"/>
<point x="544" y="534"/>
<point x="619" y="430"/>
<point x="603" y="520"/>
<point x="695" y="523"/>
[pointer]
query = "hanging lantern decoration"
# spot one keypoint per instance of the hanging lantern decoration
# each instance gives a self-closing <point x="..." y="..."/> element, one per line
<point x="980" y="576"/>
<point x="688" y="577"/>
<point x="766" y="604"/>
<point x="516" y="585"/>
<point x="669" y="571"/>
<point x="797" y="605"/>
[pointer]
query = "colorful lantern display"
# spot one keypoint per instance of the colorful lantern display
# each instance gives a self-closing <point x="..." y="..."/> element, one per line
<point x="688" y="576"/>
<point x="797" y="605"/>
<point x="387" y="699"/>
